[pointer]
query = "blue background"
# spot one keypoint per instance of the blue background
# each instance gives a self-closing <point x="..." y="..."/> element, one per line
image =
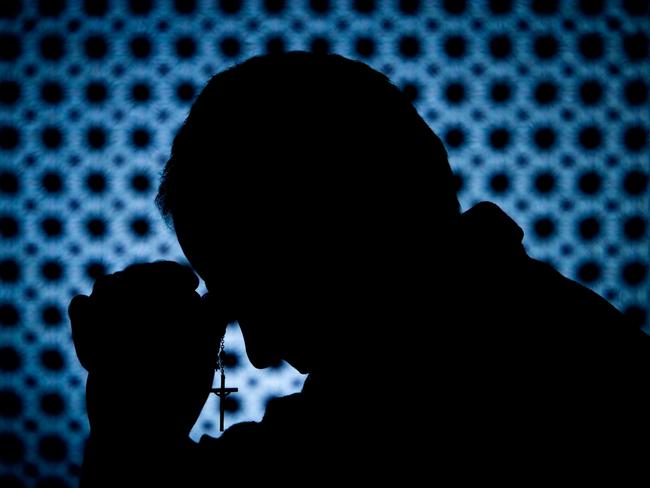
<point x="543" y="106"/>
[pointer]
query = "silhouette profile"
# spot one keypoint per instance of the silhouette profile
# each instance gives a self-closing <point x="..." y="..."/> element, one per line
<point x="320" y="210"/>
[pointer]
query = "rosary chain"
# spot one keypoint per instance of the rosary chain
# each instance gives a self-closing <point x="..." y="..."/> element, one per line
<point x="220" y="354"/>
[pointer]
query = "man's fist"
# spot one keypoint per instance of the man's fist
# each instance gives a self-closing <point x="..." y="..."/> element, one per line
<point x="150" y="345"/>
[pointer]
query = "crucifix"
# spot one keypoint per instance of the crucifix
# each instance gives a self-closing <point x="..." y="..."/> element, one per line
<point x="222" y="392"/>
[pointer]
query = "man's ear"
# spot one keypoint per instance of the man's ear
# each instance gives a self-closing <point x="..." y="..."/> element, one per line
<point x="79" y="312"/>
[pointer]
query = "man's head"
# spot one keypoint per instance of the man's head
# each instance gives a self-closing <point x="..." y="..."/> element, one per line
<point x="304" y="185"/>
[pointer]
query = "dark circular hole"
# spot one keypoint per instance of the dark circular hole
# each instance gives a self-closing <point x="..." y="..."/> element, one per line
<point x="141" y="7"/>
<point x="365" y="47"/>
<point x="454" y="7"/>
<point x="500" y="183"/>
<point x="52" y="271"/>
<point x="544" y="227"/>
<point x="500" y="92"/>
<point x="141" y="92"/>
<point x="635" y="182"/>
<point x="95" y="270"/>
<point x="9" y="359"/>
<point x="140" y="47"/>
<point x="591" y="7"/>
<point x="96" y="137"/>
<point x="140" y="227"/>
<point x="320" y="45"/>
<point x="95" y="8"/>
<point x="590" y="183"/>
<point x="275" y="45"/>
<point x="52" y="92"/>
<point x="546" y="92"/>
<point x="455" y="46"/>
<point x="230" y="6"/>
<point x="9" y="270"/>
<point x="96" y="227"/>
<point x="636" y="46"/>
<point x="635" y="228"/>
<point x="500" y="46"/>
<point x="11" y="404"/>
<point x="51" y="8"/>
<point x="52" y="404"/>
<point x="12" y="449"/>
<point x="591" y="92"/>
<point x="52" y="47"/>
<point x="52" y="448"/>
<point x="544" y="7"/>
<point x="455" y="137"/>
<point x="589" y="228"/>
<point x="274" y="6"/>
<point x="96" y="182"/>
<point x="589" y="272"/>
<point x="10" y="47"/>
<point x="96" y="92"/>
<point x="636" y="92"/>
<point x="185" y="47"/>
<point x="51" y="137"/>
<point x="230" y="360"/>
<point x="636" y="7"/>
<point x="544" y="138"/>
<point x="95" y="47"/>
<point x="499" y="138"/>
<point x="411" y="91"/>
<point x="141" y="183"/>
<point x="455" y="92"/>
<point x="9" y="227"/>
<point x="230" y="46"/>
<point x="185" y="91"/>
<point x="591" y="46"/>
<point x="409" y="7"/>
<point x="320" y="6"/>
<point x="545" y="46"/>
<point x="590" y="137"/>
<point x="9" y="92"/>
<point x="51" y="315"/>
<point x="635" y="138"/>
<point x="409" y="46"/>
<point x="9" y="182"/>
<point x="52" y="360"/>
<point x="185" y="7"/>
<point x="9" y="315"/>
<point x="9" y="137"/>
<point x="364" y="6"/>
<point x="52" y="227"/>
<point x="634" y="273"/>
<point x="10" y="9"/>
<point x="231" y="404"/>
<point x="500" y="7"/>
<point x="140" y="138"/>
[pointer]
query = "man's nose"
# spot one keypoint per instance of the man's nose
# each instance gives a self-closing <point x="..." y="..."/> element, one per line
<point x="261" y="345"/>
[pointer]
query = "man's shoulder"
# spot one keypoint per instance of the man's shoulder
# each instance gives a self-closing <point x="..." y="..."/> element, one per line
<point x="529" y="291"/>
<point x="595" y="315"/>
<point x="574" y="303"/>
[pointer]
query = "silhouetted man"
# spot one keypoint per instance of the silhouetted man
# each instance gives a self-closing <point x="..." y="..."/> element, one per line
<point x="320" y="210"/>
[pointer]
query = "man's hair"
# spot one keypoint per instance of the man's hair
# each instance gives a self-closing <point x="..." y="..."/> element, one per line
<point x="317" y="133"/>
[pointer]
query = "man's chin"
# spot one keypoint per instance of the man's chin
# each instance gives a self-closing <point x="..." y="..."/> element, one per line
<point x="299" y="365"/>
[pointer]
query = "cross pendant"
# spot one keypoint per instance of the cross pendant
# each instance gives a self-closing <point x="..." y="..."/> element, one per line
<point x="222" y="392"/>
